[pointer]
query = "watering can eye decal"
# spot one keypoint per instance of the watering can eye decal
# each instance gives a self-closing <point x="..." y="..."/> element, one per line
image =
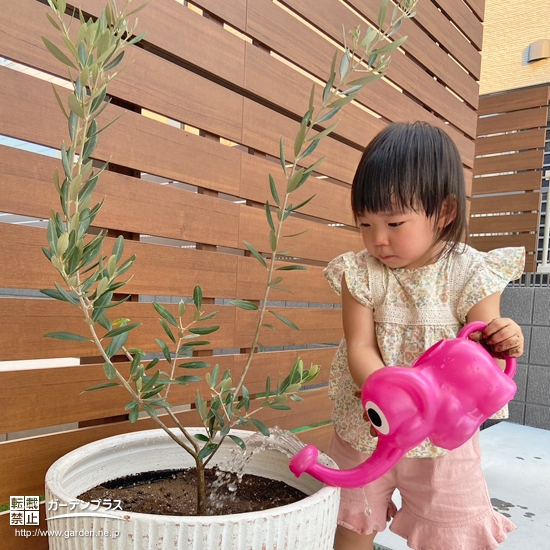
<point x="377" y="418"/>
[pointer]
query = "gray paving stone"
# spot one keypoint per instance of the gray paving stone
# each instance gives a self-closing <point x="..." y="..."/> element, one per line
<point x="539" y="349"/>
<point x="538" y="385"/>
<point x="541" y="309"/>
<point x="517" y="303"/>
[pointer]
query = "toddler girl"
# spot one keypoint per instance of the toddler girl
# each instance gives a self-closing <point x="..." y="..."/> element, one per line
<point x="413" y="285"/>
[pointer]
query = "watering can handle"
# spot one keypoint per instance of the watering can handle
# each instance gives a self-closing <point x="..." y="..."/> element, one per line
<point x="510" y="367"/>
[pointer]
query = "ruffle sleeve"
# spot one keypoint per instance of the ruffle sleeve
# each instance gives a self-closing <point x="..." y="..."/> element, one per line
<point x="490" y="272"/>
<point x="355" y="269"/>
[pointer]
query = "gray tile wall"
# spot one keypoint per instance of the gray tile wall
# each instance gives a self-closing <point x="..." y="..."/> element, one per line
<point x="530" y="308"/>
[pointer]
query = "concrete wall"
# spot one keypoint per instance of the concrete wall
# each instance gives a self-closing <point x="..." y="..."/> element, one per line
<point x="509" y="28"/>
<point x="530" y="308"/>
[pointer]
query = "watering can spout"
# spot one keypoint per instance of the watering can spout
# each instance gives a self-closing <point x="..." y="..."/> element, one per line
<point x="368" y="471"/>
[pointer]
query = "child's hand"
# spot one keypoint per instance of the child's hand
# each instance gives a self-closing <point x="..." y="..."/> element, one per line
<point x="501" y="338"/>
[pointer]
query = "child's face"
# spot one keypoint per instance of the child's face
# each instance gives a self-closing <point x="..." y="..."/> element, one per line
<point x="400" y="239"/>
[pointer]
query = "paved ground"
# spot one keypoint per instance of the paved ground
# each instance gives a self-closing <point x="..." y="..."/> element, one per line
<point x="516" y="462"/>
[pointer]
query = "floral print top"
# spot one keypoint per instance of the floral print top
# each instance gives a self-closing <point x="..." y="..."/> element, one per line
<point x="413" y="309"/>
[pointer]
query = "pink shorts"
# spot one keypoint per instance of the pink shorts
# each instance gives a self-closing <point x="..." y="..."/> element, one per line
<point x="445" y="502"/>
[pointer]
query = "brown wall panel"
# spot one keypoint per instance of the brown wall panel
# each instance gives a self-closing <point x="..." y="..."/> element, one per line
<point x="524" y="181"/>
<point x="477" y="6"/>
<point x="517" y="120"/>
<point x="525" y="202"/>
<point x="509" y="162"/>
<point x="528" y="240"/>
<point x="31" y="388"/>
<point x="22" y="321"/>
<point x="513" y="101"/>
<point x="502" y="224"/>
<point x="517" y="141"/>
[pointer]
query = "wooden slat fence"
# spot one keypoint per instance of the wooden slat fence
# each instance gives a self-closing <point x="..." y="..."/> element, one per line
<point x="508" y="171"/>
<point x="205" y="98"/>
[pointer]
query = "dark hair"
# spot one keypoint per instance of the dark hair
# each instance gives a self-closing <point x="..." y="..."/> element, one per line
<point x="412" y="166"/>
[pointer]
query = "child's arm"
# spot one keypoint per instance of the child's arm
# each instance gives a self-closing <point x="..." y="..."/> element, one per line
<point x="363" y="353"/>
<point x="503" y="336"/>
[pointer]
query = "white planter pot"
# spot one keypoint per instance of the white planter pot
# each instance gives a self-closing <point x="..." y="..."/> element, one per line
<point x="308" y="524"/>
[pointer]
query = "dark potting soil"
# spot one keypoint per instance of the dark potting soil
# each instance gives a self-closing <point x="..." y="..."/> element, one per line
<point x="173" y="493"/>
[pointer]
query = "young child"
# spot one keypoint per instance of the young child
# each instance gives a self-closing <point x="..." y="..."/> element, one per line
<point x="415" y="284"/>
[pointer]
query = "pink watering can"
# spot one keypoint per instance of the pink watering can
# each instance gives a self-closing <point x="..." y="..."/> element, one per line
<point x="448" y="392"/>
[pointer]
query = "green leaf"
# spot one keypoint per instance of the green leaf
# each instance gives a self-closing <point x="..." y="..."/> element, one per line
<point x="302" y="204"/>
<point x="166" y="328"/>
<point x="110" y="371"/>
<point x="195" y="343"/>
<point x="274" y="192"/>
<point x="165" y="349"/>
<point x="390" y="47"/>
<point x="280" y="407"/>
<point x="201" y="437"/>
<point x="188" y="379"/>
<point x="340" y="102"/>
<point x="330" y="81"/>
<point x="134" y="413"/>
<point x="197" y="297"/>
<point x="244" y="304"/>
<point x="203" y="330"/>
<point x="312" y="146"/>
<point x="255" y="253"/>
<point x="163" y="312"/>
<point x="328" y="115"/>
<point x="121" y="330"/>
<point x="207" y="450"/>
<point x="114" y="62"/>
<point x="267" y="325"/>
<point x="75" y="106"/>
<point x="238" y="441"/>
<point x="282" y="154"/>
<point x="382" y="11"/>
<point x="57" y="53"/>
<point x="292" y="268"/>
<point x="101" y="386"/>
<point x="284" y="319"/>
<point x="67" y="336"/>
<point x="116" y="344"/>
<point x="325" y="132"/>
<point x="194" y="365"/>
<point x="299" y="140"/>
<point x="208" y="316"/>
<point x="269" y="216"/>
<point x="344" y="63"/>
<point x="261" y="426"/>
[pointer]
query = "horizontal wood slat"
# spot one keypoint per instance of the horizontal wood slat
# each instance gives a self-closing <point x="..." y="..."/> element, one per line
<point x="517" y="141"/>
<point x="525" y="181"/>
<point x="23" y="321"/>
<point x="17" y="478"/>
<point x="509" y="162"/>
<point x="525" y="202"/>
<point x="528" y="240"/>
<point x="517" y="120"/>
<point x="505" y="102"/>
<point x="161" y="270"/>
<point x="504" y="224"/>
<point x="32" y="389"/>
